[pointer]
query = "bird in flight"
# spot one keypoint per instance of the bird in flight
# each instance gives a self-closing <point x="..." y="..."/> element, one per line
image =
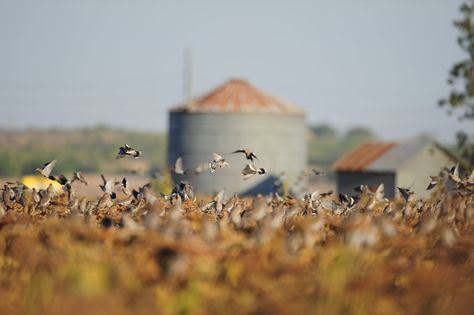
<point x="201" y="167"/>
<point x="218" y="162"/>
<point x="454" y="174"/>
<point x="179" y="167"/>
<point x="108" y="186"/>
<point x="434" y="180"/>
<point x="249" y="155"/>
<point x="317" y="173"/>
<point x="406" y="193"/>
<point x="61" y="179"/>
<point x="127" y="150"/>
<point x="77" y="176"/>
<point x="470" y="179"/>
<point x="250" y="170"/>
<point x="46" y="169"/>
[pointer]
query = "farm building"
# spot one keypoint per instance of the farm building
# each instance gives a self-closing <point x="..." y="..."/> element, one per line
<point x="406" y="165"/>
<point x="234" y="116"/>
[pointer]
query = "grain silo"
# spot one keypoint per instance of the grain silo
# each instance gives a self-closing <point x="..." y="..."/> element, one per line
<point x="237" y="115"/>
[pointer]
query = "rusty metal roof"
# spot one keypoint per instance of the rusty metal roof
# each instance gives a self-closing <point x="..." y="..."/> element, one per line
<point x="386" y="156"/>
<point x="362" y="156"/>
<point x="238" y="96"/>
<point x="394" y="159"/>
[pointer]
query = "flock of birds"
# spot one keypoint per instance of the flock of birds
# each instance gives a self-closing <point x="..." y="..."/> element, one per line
<point x="144" y="198"/>
<point x="33" y="199"/>
<point x="167" y="239"/>
<point x="219" y="162"/>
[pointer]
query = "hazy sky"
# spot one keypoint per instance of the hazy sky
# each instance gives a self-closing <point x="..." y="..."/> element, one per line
<point x="380" y="63"/>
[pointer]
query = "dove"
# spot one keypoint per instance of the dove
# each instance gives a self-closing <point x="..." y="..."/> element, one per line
<point x="249" y="155"/>
<point x="108" y="186"/>
<point x="127" y="150"/>
<point x="179" y="167"/>
<point x="7" y="196"/>
<point x="47" y="168"/>
<point x="61" y="179"/>
<point x="250" y="170"/>
<point x="317" y="173"/>
<point x="201" y="167"/>
<point x="454" y="174"/>
<point x="406" y="193"/>
<point x="46" y="197"/>
<point x="105" y="201"/>
<point x="184" y="190"/>
<point x="380" y="192"/>
<point x="470" y="179"/>
<point x="433" y="182"/>
<point x="77" y="176"/>
<point x="218" y="162"/>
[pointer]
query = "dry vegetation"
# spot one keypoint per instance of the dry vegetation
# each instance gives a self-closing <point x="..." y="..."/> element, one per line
<point x="268" y="255"/>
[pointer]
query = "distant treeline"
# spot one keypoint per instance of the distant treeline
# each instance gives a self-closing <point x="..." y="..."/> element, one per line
<point x="327" y="144"/>
<point x="94" y="149"/>
<point x="88" y="149"/>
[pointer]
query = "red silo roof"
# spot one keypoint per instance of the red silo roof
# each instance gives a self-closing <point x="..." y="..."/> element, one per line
<point x="237" y="96"/>
<point x="362" y="156"/>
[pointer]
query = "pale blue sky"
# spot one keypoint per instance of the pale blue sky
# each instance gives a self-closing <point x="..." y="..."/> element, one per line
<point x="379" y="63"/>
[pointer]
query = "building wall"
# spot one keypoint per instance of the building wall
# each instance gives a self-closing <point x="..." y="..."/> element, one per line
<point x="278" y="140"/>
<point x="414" y="173"/>
<point x="346" y="181"/>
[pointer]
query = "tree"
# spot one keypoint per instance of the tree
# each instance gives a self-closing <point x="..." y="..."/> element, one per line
<point x="324" y="130"/>
<point x="461" y="80"/>
<point x="357" y="135"/>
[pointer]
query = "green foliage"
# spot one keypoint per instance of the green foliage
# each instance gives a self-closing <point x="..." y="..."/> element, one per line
<point x="10" y="163"/>
<point x="327" y="144"/>
<point x="324" y="130"/>
<point x="163" y="184"/>
<point x="461" y="75"/>
<point x="461" y="79"/>
<point x="357" y="135"/>
<point x="94" y="149"/>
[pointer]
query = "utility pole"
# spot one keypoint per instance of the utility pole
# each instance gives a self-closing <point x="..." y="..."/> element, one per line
<point x="188" y="75"/>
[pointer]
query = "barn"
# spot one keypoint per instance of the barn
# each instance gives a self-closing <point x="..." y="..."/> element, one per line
<point x="237" y="115"/>
<point x="407" y="164"/>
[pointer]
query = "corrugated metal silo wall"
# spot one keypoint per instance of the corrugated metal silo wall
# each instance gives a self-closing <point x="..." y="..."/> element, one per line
<point x="278" y="140"/>
<point x="346" y="181"/>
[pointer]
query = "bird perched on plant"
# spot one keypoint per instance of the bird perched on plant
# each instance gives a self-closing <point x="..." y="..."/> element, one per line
<point x="347" y="200"/>
<point x="47" y="168"/>
<point x="250" y="170"/>
<point x="184" y="190"/>
<point x="46" y="196"/>
<point x="26" y="197"/>
<point x="249" y="155"/>
<point x="360" y="189"/>
<point x="326" y="194"/>
<point x="7" y="195"/>
<point x="128" y="150"/>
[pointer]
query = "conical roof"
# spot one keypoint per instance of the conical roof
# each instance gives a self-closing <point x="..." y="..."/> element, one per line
<point x="238" y="96"/>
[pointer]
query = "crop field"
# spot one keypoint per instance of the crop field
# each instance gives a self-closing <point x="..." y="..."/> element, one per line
<point x="151" y="253"/>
